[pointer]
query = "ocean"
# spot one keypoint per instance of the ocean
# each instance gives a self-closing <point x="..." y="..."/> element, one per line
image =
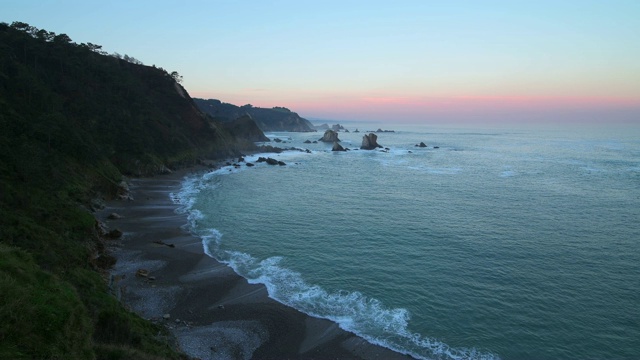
<point x="486" y="244"/>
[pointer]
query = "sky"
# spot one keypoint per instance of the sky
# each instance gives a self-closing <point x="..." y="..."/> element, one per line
<point x="418" y="61"/>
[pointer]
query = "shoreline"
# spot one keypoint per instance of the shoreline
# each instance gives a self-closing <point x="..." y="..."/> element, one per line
<point x="163" y="275"/>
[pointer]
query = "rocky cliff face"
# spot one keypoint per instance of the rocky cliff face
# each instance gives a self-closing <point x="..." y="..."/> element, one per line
<point x="275" y="119"/>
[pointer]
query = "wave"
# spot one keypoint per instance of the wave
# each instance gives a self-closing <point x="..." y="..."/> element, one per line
<point x="351" y="310"/>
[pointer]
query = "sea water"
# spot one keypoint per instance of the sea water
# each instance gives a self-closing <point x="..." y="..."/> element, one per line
<point x="512" y="244"/>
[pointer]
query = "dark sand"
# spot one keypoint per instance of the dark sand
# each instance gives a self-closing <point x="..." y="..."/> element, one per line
<point x="213" y="312"/>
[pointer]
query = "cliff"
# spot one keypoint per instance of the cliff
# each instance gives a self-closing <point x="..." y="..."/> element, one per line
<point x="73" y="120"/>
<point x="245" y="127"/>
<point x="275" y="119"/>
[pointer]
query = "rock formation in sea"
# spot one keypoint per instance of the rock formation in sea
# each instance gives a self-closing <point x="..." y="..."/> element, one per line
<point x="329" y="136"/>
<point x="337" y="147"/>
<point x="422" y="144"/>
<point x="370" y="142"/>
<point x="271" y="161"/>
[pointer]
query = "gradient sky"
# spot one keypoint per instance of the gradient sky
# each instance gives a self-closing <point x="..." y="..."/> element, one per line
<point x="421" y="61"/>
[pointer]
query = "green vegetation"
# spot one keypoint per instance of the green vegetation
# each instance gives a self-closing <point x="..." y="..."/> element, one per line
<point x="281" y="109"/>
<point x="73" y="120"/>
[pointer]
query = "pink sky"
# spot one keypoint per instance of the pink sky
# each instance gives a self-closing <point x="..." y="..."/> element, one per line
<point x="463" y="108"/>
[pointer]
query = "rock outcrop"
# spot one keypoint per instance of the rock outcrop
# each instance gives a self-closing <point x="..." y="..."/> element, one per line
<point x="271" y="161"/>
<point x="329" y="136"/>
<point x="370" y="142"/>
<point x="337" y="147"/>
<point x="245" y="128"/>
<point x="422" y="144"/>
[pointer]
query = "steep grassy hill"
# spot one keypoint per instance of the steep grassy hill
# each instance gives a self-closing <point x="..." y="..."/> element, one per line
<point x="73" y="120"/>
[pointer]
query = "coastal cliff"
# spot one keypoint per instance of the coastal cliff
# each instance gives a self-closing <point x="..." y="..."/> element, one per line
<point x="74" y="120"/>
<point x="274" y="119"/>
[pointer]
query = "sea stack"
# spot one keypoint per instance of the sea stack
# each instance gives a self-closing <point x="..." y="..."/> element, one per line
<point x="330" y="136"/>
<point x="337" y="147"/>
<point x="370" y="142"/>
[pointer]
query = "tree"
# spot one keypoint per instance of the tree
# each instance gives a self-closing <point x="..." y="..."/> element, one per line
<point x="19" y="25"/>
<point x="45" y="35"/>
<point x="177" y="77"/>
<point x="62" y="39"/>
<point x="95" y="48"/>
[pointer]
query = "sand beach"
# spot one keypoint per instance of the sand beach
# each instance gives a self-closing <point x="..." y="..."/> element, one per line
<point x="163" y="274"/>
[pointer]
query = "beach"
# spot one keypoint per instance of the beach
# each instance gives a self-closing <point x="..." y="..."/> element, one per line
<point x="163" y="274"/>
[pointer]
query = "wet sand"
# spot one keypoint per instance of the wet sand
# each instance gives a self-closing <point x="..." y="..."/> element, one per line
<point x="213" y="312"/>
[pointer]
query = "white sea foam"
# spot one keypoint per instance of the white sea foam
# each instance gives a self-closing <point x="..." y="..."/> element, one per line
<point x="352" y="311"/>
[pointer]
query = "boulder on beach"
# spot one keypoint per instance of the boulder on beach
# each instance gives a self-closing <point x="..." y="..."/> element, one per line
<point x="114" y="216"/>
<point x="329" y="136"/>
<point x="370" y="142"/>
<point x="115" y="234"/>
